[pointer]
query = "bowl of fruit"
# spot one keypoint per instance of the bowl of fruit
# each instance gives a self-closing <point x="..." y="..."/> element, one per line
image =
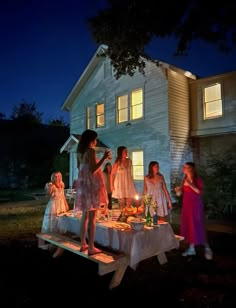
<point x="137" y="223"/>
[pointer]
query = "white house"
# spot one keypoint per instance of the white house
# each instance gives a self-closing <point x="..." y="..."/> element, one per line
<point x="167" y="115"/>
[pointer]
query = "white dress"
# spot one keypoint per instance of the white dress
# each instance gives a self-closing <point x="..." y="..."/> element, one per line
<point x="56" y="205"/>
<point x="158" y="195"/>
<point x="123" y="182"/>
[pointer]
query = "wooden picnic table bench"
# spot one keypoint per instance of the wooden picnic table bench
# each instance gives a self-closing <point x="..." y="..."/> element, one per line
<point x="107" y="261"/>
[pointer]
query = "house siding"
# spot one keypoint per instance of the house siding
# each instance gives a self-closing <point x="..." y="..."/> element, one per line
<point x="172" y="126"/>
<point x="214" y="138"/>
<point x="179" y="123"/>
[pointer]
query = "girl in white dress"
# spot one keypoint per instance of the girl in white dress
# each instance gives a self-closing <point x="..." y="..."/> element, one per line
<point x="122" y="184"/>
<point x="155" y="186"/>
<point x="57" y="204"/>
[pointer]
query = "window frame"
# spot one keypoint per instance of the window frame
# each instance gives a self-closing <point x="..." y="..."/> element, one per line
<point x="211" y="101"/>
<point x="99" y="115"/>
<point x="129" y="110"/>
<point x="135" y="165"/>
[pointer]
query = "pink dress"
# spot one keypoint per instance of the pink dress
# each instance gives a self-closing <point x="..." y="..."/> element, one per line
<point x="91" y="191"/>
<point x="192" y="215"/>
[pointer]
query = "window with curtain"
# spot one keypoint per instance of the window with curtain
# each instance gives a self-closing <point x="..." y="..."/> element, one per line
<point x="212" y="101"/>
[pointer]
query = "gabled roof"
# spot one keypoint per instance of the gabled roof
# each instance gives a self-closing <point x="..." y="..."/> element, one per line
<point x="74" y="139"/>
<point x="83" y="78"/>
<point x="66" y="106"/>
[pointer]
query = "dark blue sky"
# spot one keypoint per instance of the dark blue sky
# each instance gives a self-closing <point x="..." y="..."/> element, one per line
<point x="46" y="45"/>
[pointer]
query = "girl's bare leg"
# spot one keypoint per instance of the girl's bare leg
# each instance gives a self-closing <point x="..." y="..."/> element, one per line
<point x="83" y="230"/>
<point x="92" y="229"/>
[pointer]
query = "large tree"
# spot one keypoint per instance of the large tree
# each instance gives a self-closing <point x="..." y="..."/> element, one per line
<point x="127" y="26"/>
<point x="27" y="113"/>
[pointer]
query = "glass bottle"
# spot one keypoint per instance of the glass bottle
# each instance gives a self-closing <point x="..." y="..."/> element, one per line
<point x="148" y="217"/>
<point x="155" y="218"/>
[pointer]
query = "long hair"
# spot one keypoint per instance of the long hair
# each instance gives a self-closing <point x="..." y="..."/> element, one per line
<point x="105" y="169"/>
<point x="120" y="149"/>
<point x="193" y="170"/>
<point x="150" y="169"/>
<point x="86" y="138"/>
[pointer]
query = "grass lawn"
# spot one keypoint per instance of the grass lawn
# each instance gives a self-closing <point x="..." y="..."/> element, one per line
<point x="19" y="220"/>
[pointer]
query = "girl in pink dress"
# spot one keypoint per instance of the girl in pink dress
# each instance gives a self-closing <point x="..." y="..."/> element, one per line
<point x="91" y="191"/>
<point x="192" y="215"/>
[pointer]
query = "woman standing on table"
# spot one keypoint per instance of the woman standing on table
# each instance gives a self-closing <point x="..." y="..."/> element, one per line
<point x="91" y="191"/>
<point x="122" y="184"/>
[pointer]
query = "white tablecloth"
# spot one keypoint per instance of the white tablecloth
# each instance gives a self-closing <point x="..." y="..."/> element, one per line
<point x="138" y="245"/>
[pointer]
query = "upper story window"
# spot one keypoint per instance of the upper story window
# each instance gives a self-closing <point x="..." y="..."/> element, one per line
<point x="122" y="108"/>
<point x="130" y="106"/>
<point x="212" y="101"/>
<point x="137" y="165"/>
<point x="136" y="104"/>
<point x="100" y="116"/>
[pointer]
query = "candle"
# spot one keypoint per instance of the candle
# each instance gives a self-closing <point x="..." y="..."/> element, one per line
<point x="136" y="197"/>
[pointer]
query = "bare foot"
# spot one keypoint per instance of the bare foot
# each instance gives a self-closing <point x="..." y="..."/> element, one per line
<point x="83" y="247"/>
<point x="94" y="251"/>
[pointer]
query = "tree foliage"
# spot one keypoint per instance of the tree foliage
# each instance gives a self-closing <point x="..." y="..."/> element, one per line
<point x="58" y="122"/>
<point x="27" y="113"/>
<point x="127" y="26"/>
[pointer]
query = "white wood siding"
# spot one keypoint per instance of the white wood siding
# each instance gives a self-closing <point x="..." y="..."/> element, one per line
<point x="179" y="123"/>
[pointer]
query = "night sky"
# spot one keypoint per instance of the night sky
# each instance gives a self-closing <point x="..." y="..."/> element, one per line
<point x="46" y="45"/>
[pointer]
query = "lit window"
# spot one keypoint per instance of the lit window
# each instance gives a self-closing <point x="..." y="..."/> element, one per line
<point x="100" y="120"/>
<point x="122" y="108"/>
<point x="212" y="102"/>
<point x="88" y="117"/>
<point x="137" y="165"/>
<point x="137" y="104"/>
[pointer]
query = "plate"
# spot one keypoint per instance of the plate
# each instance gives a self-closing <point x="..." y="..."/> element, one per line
<point x="162" y="222"/>
<point x="121" y="226"/>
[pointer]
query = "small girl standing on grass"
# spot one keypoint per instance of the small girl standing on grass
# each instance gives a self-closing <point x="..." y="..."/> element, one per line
<point x="57" y="204"/>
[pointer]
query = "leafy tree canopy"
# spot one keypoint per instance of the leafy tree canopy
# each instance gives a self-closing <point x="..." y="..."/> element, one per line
<point x="127" y="26"/>
<point x="26" y="113"/>
<point x="58" y="122"/>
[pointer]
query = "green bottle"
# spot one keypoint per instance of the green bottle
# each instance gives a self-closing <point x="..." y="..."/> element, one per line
<point x="148" y="217"/>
